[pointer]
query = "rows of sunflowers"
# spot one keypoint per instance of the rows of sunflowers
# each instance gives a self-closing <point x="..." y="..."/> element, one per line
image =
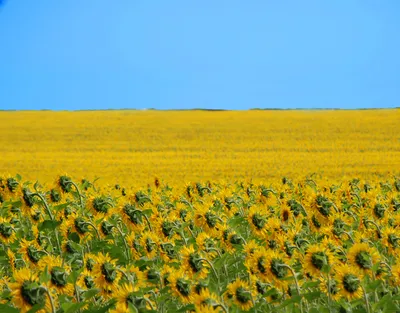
<point x="283" y="246"/>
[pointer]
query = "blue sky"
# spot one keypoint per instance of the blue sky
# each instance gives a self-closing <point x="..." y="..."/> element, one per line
<point x="97" y="54"/>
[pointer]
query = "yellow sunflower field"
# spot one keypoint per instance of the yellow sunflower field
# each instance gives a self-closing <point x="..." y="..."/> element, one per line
<point x="257" y="211"/>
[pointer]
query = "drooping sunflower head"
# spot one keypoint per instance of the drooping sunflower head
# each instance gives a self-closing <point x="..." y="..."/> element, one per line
<point x="7" y="233"/>
<point x="205" y="299"/>
<point x="349" y="281"/>
<point x="317" y="257"/>
<point x="363" y="256"/>
<point x="241" y="294"/>
<point x="181" y="286"/>
<point x="106" y="272"/>
<point x="26" y="290"/>
<point x="193" y="262"/>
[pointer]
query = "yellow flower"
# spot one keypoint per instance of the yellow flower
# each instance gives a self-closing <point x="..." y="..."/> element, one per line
<point x="363" y="256"/>
<point x="349" y="281"/>
<point x="27" y="292"/>
<point x="105" y="272"/>
<point x="149" y="242"/>
<point x="58" y="272"/>
<point x="240" y="293"/>
<point x="193" y="263"/>
<point x="205" y="299"/>
<point x="7" y="232"/>
<point x="317" y="256"/>
<point x="126" y="297"/>
<point x="181" y="286"/>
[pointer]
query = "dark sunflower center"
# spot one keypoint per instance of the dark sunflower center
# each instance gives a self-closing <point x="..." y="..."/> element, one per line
<point x="235" y="239"/>
<point x="211" y="219"/>
<point x="261" y="287"/>
<point x="379" y="210"/>
<point x="261" y="265"/>
<point x="6" y="230"/>
<point x="149" y="245"/>
<point x="65" y="183"/>
<point x="28" y="199"/>
<point x="12" y="184"/>
<point x="258" y="221"/>
<point x="319" y="259"/>
<point x="363" y="260"/>
<point x="59" y="276"/>
<point x="81" y="226"/>
<point x="106" y="228"/>
<point x="195" y="262"/>
<point x="324" y="205"/>
<point x="33" y="254"/>
<point x="109" y="272"/>
<point x="351" y="283"/>
<point x="332" y="287"/>
<point x="32" y="293"/>
<point x="89" y="283"/>
<point x="134" y="215"/>
<point x="55" y="195"/>
<point x="315" y="221"/>
<point x="183" y="287"/>
<point x="101" y="204"/>
<point x="277" y="269"/>
<point x="167" y="228"/>
<point x="338" y="226"/>
<point x="243" y="295"/>
<point x="392" y="239"/>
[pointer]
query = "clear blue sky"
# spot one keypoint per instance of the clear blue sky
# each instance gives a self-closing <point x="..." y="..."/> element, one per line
<point x="233" y="54"/>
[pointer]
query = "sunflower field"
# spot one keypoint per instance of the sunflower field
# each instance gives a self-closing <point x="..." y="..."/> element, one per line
<point x="286" y="245"/>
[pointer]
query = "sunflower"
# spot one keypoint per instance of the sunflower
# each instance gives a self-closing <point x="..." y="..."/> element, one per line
<point x="240" y="293"/>
<point x="27" y="292"/>
<point x="257" y="221"/>
<point x="206" y="244"/>
<point x="396" y="275"/>
<point x="317" y="256"/>
<point x="106" y="273"/>
<point x="89" y="261"/>
<point x="134" y="245"/>
<point x="349" y="281"/>
<point x="86" y="280"/>
<point x="193" y="263"/>
<point x="126" y="296"/>
<point x="391" y="238"/>
<point x="30" y="251"/>
<point x="205" y="299"/>
<point x="207" y="219"/>
<point x="363" y="256"/>
<point x="7" y="232"/>
<point x="251" y="247"/>
<point x="181" y="286"/>
<point x="59" y="273"/>
<point x="330" y="286"/>
<point x="149" y="241"/>
<point x="102" y="207"/>
<point x="277" y="272"/>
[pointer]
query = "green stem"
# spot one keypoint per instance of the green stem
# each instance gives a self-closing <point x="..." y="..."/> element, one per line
<point x="79" y="193"/>
<point x="53" y="307"/>
<point x="366" y="299"/>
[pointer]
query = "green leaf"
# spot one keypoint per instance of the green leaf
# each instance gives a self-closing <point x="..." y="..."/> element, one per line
<point x="36" y="308"/>
<point x="45" y="276"/>
<point x="103" y="309"/>
<point x="74" y="237"/>
<point x="48" y="224"/>
<point x="91" y="293"/>
<point x="72" y="307"/>
<point x="292" y="300"/>
<point x="312" y="295"/>
<point x="4" y="308"/>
